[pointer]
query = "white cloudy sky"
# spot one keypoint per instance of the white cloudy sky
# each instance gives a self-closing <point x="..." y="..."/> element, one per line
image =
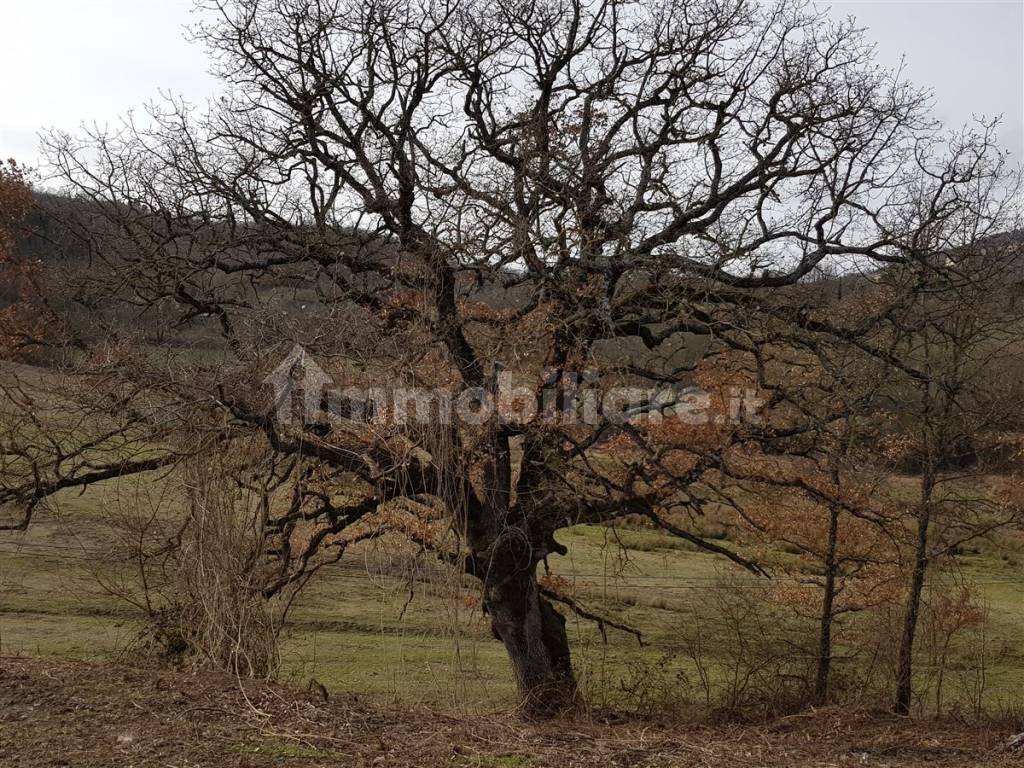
<point x="65" y="62"/>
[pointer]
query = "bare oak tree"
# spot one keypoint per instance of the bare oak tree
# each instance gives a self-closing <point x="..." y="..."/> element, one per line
<point x="449" y="193"/>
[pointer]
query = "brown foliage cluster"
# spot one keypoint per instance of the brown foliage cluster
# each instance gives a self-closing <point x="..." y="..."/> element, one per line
<point x="21" y="310"/>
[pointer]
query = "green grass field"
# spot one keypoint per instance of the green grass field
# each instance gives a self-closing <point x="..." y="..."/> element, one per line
<point x="364" y="627"/>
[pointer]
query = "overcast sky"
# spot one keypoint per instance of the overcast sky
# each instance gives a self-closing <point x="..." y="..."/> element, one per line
<point x="65" y="62"/>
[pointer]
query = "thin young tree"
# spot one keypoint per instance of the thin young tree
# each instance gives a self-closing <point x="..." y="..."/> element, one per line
<point x="955" y="339"/>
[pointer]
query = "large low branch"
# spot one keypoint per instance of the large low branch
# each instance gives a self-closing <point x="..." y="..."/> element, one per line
<point x="34" y="493"/>
<point x="704" y="544"/>
<point x="602" y="622"/>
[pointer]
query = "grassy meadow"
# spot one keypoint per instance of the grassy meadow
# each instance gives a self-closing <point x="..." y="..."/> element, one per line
<point x="389" y="625"/>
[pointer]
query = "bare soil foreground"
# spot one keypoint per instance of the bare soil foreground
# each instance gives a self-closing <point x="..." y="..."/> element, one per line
<point x="59" y="713"/>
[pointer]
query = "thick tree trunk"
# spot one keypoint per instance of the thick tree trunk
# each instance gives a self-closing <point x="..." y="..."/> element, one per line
<point x="534" y="636"/>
